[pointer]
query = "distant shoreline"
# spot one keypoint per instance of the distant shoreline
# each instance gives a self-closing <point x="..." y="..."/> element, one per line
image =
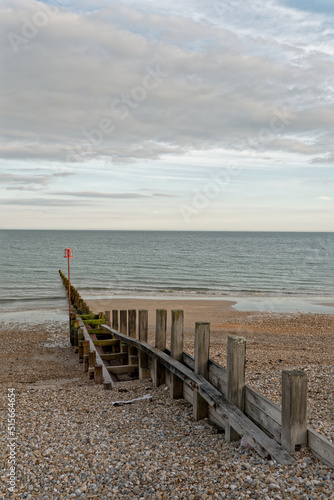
<point x="279" y="304"/>
<point x="250" y="304"/>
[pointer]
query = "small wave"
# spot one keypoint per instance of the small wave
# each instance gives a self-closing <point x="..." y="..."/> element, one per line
<point x="32" y="299"/>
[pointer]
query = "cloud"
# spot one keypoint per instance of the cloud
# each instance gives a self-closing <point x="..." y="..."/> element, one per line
<point x="323" y="198"/>
<point x="30" y="181"/>
<point x="40" y="202"/>
<point x="123" y="83"/>
<point x="96" y="194"/>
<point x="329" y="158"/>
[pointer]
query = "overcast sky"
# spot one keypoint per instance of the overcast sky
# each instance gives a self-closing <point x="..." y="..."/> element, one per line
<point x="185" y="115"/>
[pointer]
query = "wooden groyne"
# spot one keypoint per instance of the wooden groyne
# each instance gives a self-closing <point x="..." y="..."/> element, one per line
<point x="78" y="303"/>
<point x="114" y="344"/>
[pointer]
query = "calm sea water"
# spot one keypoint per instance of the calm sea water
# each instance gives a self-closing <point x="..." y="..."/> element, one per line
<point x="246" y="265"/>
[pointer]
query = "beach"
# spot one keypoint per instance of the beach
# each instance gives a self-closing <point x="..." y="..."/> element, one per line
<point x="74" y="444"/>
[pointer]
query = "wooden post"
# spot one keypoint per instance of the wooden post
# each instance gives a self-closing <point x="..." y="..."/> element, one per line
<point x="176" y="386"/>
<point x="124" y="321"/>
<point x="158" y="371"/>
<point x="202" y="347"/>
<point x="107" y="318"/>
<point x="144" y="371"/>
<point x="85" y="345"/>
<point x="123" y="318"/>
<point x="75" y="339"/>
<point x="132" y="332"/>
<point x="124" y="348"/>
<point x="80" y="339"/>
<point x="132" y="323"/>
<point x="294" y="410"/>
<point x="235" y="380"/>
<point x="85" y="351"/>
<point x="115" y="319"/>
<point x="74" y="332"/>
<point x="98" y="375"/>
<point x="92" y="359"/>
<point x="80" y="351"/>
<point x="91" y="363"/>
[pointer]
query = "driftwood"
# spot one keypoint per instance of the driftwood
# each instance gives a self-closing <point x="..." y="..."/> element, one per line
<point x="147" y="397"/>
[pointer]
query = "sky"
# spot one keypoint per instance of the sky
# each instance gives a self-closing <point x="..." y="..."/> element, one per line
<point x="187" y="115"/>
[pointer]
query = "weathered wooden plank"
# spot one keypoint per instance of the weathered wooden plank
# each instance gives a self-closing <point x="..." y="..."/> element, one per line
<point x="262" y="419"/>
<point x="144" y="371"/>
<point x="157" y="370"/>
<point x="132" y="330"/>
<point x="91" y="322"/>
<point x="124" y="348"/>
<point x="262" y="443"/>
<point x="176" y="386"/>
<point x="107" y="318"/>
<point x="188" y="360"/>
<point x="115" y="319"/>
<point x="86" y="362"/>
<point x="111" y="356"/>
<point x="132" y="323"/>
<point x="202" y="347"/>
<point x="98" y="374"/>
<point x="322" y="449"/>
<point x="188" y="393"/>
<point x="123" y="319"/>
<point x="119" y="370"/>
<point x="217" y="375"/>
<point x="168" y="378"/>
<point x="100" y="334"/>
<point x="235" y="381"/>
<point x="294" y="410"/>
<point x="268" y="407"/>
<point x="92" y="359"/>
<point x="216" y="419"/>
<point x="105" y="342"/>
<point x="218" y="383"/>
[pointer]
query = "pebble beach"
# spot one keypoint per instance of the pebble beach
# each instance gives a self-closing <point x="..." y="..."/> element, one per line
<point x="73" y="443"/>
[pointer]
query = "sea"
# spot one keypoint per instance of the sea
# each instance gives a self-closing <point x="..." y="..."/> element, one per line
<point x="263" y="271"/>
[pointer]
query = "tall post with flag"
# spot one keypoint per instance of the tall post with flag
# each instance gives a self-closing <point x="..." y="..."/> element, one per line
<point x="68" y="255"/>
